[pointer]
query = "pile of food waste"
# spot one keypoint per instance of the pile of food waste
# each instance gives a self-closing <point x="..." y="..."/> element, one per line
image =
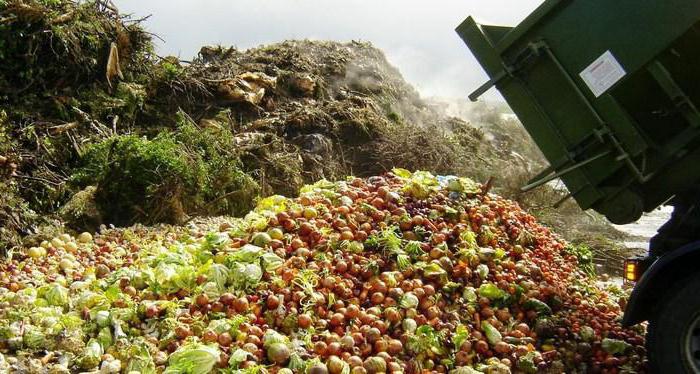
<point x="400" y="273"/>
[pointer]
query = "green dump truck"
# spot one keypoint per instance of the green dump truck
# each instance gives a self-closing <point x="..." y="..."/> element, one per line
<point x="610" y="92"/>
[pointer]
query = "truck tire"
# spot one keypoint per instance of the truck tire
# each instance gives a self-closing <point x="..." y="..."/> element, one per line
<point x="673" y="336"/>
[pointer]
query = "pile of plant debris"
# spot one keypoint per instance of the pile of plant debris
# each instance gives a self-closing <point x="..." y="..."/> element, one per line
<point x="95" y="128"/>
<point x="55" y="57"/>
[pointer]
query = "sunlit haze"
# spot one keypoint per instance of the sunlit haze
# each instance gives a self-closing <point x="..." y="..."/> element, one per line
<point x="417" y="36"/>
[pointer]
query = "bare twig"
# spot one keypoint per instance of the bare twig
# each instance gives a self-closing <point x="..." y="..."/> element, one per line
<point x="75" y="144"/>
<point x="488" y="185"/>
<point x="9" y="19"/>
<point x="115" y="120"/>
<point x="59" y="129"/>
<point x="128" y="19"/>
<point x="99" y="127"/>
<point x="63" y="18"/>
<point x="20" y="176"/>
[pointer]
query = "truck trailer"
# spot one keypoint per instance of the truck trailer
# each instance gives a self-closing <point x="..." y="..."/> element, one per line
<point x="610" y="93"/>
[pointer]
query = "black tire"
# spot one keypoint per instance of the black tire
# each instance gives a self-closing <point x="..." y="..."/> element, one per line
<point x="670" y="343"/>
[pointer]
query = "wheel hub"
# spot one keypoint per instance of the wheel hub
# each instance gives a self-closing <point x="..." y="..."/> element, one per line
<point x="692" y="345"/>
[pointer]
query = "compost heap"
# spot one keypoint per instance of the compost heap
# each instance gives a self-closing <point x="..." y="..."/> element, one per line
<point x="95" y="128"/>
<point x="400" y="273"/>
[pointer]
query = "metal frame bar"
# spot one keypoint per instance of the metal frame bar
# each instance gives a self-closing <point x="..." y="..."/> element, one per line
<point x="474" y="96"/>
<point x="559" y="174"/>
<point x="675" y="92"/>
<point x="682" y="102"/>
<point x="623" y="155"/>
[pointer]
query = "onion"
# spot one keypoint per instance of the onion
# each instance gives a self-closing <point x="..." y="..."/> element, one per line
<point x="278" y="353"/>
<point x="85" y="238"/>
<point x="36" y="252"/>
<point x="335" y="365"/>
<point x="347" y="342"/>
<point x="304" y="321"/>
<point x="261" y="239"/>
<point x="320" y="348"/>
<point x="66" y="264"/>
<point x="375" y="365"/>
<point x="225" y="339"/>
<point x="57" y="243"/>
<point x="318" y="368"/>
<point x="241" y="305"/>
<point x="202" y="300"/>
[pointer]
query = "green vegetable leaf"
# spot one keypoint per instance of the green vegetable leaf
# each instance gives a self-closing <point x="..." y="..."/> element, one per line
<point x="248" y="253"/>
<point x="246" y="276"/>
<point x="492" y="292"/>
<point x="540" y="307"/>
<point x="214" y="241"/>
<point x="465" y="370"/>
<point x="113" y="293"/>
<point x="33" y="337"/>
<point x="469" y="294"/>
<point x="408" y="301"/>
<point x="274" y="204"/>
<point x="91" y="355"/>
<point x="460" y="336"/>
<point x="587" y="333"/>
<point x="140" y="359"/>
<point x="426" y="340"/>
<point x="434" y="271"/>
<point x="273" y="337"/>
<point x="615" y="346"/>
<point x="526" y="363"/>
<point x="104" y="337"/>
<point x="54" y="294"/>
<point x="219" y="274"/>
<point x="296" y="363"/>
<point x="413" y="249"/>
<point x="403" y="262"/>
<point x="238" y="357"/>
<point x="468" y="237"/>
<point x="483" y="271"/>
<point x="492" y="334"/>
<point x="193" y="358"/>
<point x="271" y="262"/>
<point x="401" y="173"/>
<point x="421" y="185"/>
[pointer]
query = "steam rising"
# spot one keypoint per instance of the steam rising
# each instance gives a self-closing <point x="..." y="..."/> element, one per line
<point x="417" y="36"/>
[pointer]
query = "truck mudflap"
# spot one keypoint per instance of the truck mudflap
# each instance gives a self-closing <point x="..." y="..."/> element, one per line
<point x="659" y="280"/>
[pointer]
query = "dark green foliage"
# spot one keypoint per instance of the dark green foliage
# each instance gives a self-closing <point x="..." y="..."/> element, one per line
<point x="126" y="102"/>
<point x="16" y="218"/>
<point x="6" y="142"/>
<point x="584" y="255"/>
<point x="51" y="49"/>
<point x="223" y="186"/>
<point x="130" y="171"/>
<point x="168" y="177"/>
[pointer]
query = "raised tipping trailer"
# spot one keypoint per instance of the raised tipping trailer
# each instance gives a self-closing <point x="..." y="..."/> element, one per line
<point x="610" y="92"/>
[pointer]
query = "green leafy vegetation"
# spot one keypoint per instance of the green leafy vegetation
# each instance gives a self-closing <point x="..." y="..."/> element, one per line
<point x="584" y="255"/>
<point x="163" y="178"/>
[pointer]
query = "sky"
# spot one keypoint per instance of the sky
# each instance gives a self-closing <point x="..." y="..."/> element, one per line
<point x="417" y="36"/>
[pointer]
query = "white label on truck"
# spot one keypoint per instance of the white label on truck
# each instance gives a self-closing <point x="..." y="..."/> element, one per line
<point x="603" y="73"/>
